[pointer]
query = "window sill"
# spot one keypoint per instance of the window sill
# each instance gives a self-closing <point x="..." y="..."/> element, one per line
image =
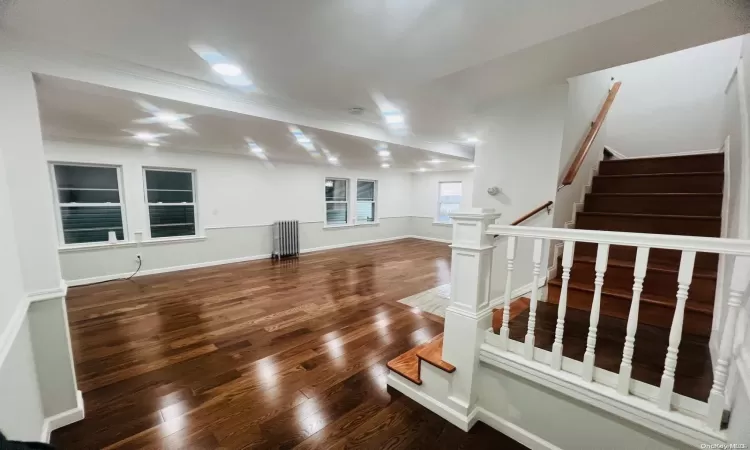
<point x="173" y="240"/>
<point x="442" y="224"/>
<point x="351" y="225"/>
<point x="367" y="224"/>
<point x="333" y="227"/>
<point x="94" y="246"/>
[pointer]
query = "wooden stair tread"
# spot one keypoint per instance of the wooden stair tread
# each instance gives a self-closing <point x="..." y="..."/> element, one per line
<point x="672" y="158"/>
<point x="517" y="307"/>
<point x="661" y="174"/>
<point x="432" y="352"/>
<point x="655" y="194"/>
<point x="408" y="364"/>
<point x="656" y="266"/>
<point x="649" y="216"/>
<point x="648" y="298"/>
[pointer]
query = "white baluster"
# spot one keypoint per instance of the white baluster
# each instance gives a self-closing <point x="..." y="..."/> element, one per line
<point x="529" y="342"/>
<point x="557" y="347"/>
<point x="510" y="256"/>
<point x="626" y="366"/>
<point x="738" y="285"/>
<point x="684" y="277"/>
<point x="600" y="267"/>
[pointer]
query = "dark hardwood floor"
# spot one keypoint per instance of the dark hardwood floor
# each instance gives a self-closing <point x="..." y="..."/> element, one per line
<point x="261" y="354"/>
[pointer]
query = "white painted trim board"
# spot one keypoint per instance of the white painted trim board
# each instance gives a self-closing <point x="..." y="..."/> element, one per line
<point x="63" y="419"/>
<point x="464" y="422"/>
<point x="112" y="277"/>
<point x="514" y="432"/>
<point x="9" y="334"/>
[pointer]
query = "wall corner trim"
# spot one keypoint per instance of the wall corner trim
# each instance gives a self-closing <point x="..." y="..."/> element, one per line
<point x="63" y="419"/>
<point x="9" y="334"/>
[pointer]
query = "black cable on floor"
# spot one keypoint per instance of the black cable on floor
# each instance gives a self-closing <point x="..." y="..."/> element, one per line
<point x="140" y="263"/>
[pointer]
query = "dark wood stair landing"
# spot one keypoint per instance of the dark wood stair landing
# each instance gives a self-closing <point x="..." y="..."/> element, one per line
<point x="693" y="376"/>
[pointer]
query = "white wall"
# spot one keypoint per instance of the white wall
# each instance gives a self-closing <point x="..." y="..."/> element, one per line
<point x="424" y="201"/>
<point x="559" y="419"/>
<point x="586" y="95"/>
<point x="672" y="103"/>
<point x="238" y="199"/>
<point x="36" y="363"/>
<point x="520" y="154"/>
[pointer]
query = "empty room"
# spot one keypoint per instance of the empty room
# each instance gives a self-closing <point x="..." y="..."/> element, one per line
<point x="374" y="224"/>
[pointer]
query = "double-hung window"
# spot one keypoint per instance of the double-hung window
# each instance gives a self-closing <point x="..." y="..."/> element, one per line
<point x="90" y="203"/>
<point x="170" y="196"/>
<point x="366" y="195"/>
<point x="449" y="200"/>
<point x="337" y="201"/>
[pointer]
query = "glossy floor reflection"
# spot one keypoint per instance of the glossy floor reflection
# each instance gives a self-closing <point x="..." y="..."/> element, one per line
<point x="260" y="354"/>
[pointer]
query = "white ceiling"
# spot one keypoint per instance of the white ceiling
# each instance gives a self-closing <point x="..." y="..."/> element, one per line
<point x="443" y="61"/>
<point x="72" y="110"/>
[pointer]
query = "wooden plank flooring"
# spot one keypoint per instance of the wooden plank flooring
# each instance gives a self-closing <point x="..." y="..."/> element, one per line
<point x="261" y="354"/>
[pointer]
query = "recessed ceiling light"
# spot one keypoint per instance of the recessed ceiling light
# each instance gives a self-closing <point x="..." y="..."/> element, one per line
<point x="472" y="139"/>
<point x="422" y="169"/>
<point x="153" y="144"/>
<point x="435" y="161"/>
<point x="333" y="160"/>
<point x="384" y="153"/>
<point x="230" y="72"/>
<point x="470" y="166"/>
<point x="393" y="117"/>
<point x="385" y="166"/>
<point x="145" y="136"/>
<point x="227" y="69"/>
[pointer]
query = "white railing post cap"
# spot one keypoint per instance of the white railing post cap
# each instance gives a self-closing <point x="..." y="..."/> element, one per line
<point x="475" y="214"/>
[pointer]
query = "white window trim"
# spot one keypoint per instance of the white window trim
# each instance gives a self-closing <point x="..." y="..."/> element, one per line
<point x="198" y="230"/>
<point x="437" y="220"/>
<point x="376" y="218"/>
<point x="59" y="206"/>
<point x="347" y="202"/>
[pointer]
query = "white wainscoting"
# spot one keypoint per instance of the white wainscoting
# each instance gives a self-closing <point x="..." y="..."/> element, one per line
<point x="231" y="244"/>
<point x="32" y="378"/>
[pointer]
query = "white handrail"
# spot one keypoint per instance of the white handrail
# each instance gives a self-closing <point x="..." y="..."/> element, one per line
<point x="689" y="243"/>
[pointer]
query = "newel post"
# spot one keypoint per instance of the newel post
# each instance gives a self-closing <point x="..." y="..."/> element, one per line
<point x="469" y="314"/>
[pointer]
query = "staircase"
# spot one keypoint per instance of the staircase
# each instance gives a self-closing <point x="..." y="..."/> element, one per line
<point x="680" y="195"/>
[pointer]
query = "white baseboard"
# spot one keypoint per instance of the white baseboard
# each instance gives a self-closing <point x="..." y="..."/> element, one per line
<point x="118" y="276"/>
<point x="64" y="418"/>
<point x="425" y="238"/>
<point x="352" y="244"/>
<point x="464" y="422"/>
<point x="513" y="431"/>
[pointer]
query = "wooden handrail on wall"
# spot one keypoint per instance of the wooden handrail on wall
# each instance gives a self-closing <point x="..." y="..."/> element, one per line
<point x="533" y="212"/>
<point x="595" y="127"/>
